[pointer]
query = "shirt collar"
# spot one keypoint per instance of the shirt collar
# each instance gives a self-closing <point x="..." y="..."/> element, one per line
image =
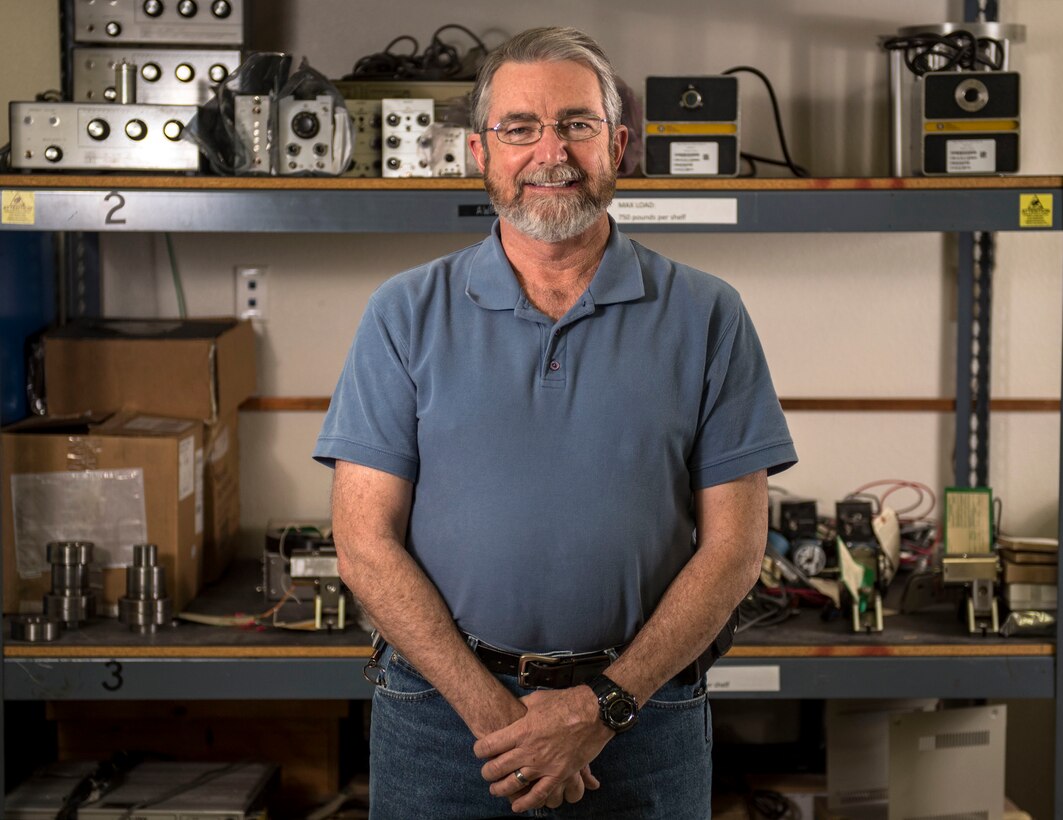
<point x="493" y="285"/>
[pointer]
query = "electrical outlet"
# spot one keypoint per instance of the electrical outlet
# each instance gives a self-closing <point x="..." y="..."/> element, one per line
<point x="252" y="295"/>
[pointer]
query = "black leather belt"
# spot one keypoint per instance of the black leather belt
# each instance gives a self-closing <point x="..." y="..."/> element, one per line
<point x="552" y="672"/>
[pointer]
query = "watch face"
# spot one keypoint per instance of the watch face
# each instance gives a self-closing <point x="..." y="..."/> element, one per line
<point x="621" y="712"/>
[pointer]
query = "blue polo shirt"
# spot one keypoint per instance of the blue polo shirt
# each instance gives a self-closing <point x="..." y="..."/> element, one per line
<point x="554" y="462"/>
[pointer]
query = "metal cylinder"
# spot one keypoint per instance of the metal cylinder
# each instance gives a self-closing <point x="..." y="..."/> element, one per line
<point x="125" y="83"/>
<point x="145" y="606"/>
<point x="35" y="628"/>
<point x="70" y="600"/>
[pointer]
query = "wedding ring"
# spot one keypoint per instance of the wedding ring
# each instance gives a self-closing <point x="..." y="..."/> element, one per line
<point x="517" y="773"/>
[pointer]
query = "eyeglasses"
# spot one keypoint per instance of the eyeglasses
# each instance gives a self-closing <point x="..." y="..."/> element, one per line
<point x="528" y="131"/>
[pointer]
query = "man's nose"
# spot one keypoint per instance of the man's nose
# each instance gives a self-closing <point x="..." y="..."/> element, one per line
<point x="550" y="149"/>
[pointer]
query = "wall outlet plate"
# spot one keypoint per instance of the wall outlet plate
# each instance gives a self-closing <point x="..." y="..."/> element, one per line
<point x="252" y="295"/>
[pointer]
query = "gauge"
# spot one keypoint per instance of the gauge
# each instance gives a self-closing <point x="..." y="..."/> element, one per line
<point x="810" y="557"/>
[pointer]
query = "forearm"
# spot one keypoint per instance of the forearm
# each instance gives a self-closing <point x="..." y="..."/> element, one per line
<point x="370" y="511"/>
<point x="700" y="599"/>
<point x="413" y="618"/>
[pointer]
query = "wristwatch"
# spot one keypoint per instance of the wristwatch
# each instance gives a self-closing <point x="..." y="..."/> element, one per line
<point x="618" y="709"/>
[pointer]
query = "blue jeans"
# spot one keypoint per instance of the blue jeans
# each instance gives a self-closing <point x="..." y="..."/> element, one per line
<point x="421" y="765"/>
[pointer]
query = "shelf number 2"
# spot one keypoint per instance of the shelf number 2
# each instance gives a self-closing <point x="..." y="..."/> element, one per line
<point x="116" y="681"/>
<point x="110" y="219"/>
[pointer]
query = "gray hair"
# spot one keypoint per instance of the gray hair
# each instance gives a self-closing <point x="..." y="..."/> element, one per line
<point x="547" y="44"/>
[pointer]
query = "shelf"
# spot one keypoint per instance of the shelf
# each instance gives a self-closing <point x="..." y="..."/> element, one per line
<point x="925" y="654"/>
<point x="348" y="205"/>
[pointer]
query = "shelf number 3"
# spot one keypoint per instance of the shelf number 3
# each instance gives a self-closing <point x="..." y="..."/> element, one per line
<point x="110" y="219"/>
<point x="116" y="681"/>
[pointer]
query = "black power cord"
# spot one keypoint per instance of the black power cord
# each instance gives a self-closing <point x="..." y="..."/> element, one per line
<point x="752" y="159"/>
<point x="438" y="61"/>
<point x="958" y="50"/>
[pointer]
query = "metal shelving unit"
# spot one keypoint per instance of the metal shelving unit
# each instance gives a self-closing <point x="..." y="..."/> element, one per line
<point x="103" y="662"/>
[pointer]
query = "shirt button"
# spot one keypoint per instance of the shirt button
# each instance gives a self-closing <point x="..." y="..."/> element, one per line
<point x="555" y="365"/>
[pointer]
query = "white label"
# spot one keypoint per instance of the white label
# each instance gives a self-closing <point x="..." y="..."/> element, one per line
<point x="675" y="211"/>
<point x="199" y="490"/>
<point x="698" y="158"/>
<point x="971" y="156"/>
<point x="744" y="679"/>
<point x="154" y="424"/>
<point x="220" y="447"/>
<point x="186" y="468"/>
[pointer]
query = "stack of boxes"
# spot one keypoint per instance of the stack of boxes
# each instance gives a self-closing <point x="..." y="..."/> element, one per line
<point x="1029" y="568"/>
<point x="140" y="445"/>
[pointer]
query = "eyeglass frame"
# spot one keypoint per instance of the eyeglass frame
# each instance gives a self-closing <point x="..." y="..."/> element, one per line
<point x="556" y="124"/>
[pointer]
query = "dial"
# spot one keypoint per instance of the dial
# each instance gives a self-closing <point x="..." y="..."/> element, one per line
<point x="810" y="557"/>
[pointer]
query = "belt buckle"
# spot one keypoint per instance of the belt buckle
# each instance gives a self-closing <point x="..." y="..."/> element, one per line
<point x="522" y="663"/>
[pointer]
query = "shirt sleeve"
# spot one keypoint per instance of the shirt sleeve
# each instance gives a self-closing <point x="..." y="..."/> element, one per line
<point x="741" y="425"/>
<point x="372" y="418"/>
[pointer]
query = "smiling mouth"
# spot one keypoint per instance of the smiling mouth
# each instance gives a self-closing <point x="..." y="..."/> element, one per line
<point x="565" y="184"/>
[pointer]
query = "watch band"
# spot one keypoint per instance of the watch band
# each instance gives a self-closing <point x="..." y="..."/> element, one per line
<point x="618" y="709"/>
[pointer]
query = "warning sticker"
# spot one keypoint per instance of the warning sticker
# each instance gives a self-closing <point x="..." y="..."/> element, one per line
<point x="694" y="158"/>
<point x="17" y="208"/>
<point x="1035" y="210"/>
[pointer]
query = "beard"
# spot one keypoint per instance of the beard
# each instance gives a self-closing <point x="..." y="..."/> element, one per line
<point x="552" y="218"/>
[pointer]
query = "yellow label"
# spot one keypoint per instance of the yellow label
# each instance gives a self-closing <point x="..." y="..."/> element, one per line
<point x="981" y="126"/>
<point x="17" y="208"/>
<point x="690" y="128"/>
<point x="1035" y="210"/>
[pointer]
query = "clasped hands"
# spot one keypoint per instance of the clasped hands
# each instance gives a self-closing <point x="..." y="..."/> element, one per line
<point x="552" y="746"/>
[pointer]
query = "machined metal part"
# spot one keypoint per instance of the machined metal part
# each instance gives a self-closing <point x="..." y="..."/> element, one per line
<point x="965" y="569"/>
<point x="870" y="619"/>
<point x="35" y="628"/>
<point x="125" y="82"/>
<point x="145" y="606"/>
<point x="982" y="610"/>
<point x="70" y="600"/>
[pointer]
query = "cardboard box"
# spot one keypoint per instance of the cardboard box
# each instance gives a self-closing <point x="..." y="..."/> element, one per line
<point x="125" y="480"/>
<point x="221" y="495"/>
<point x="188" y="368"/>
<point x="195" y="368"/>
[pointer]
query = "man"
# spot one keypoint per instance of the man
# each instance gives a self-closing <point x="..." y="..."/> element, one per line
<point x="525" y="434"/>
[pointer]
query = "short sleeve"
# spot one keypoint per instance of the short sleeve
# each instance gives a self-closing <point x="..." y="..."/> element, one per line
<point x="372" y="418"/>
<point x="741" y="425"/>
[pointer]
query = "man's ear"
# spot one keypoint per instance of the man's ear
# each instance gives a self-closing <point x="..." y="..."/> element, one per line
<point x="479" y="150"/>
<point x="620" y="136"/>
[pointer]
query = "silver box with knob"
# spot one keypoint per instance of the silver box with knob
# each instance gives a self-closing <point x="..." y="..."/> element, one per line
<point x="164" y="76"/>
<point x="74" y="136"/>
<point x="176" y="22"/>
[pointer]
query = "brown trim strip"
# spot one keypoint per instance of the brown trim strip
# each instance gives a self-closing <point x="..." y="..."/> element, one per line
<point x="319" y="404"/>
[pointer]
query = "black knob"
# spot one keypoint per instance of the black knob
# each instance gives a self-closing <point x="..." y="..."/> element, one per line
<point x="393" y="141"/>
<point x="187" y="8"/>
<point x="423" y="119"/>
<point x="221" y="9"/>
<point x="53" y="153"/>
<point x="153" y="8"/>
<point x="305" y="125"/>
<point x="393" y="120"/>
<point x="394" y="163"/>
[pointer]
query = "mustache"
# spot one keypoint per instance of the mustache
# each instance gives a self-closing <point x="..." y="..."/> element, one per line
<point x="557" y="173"/>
